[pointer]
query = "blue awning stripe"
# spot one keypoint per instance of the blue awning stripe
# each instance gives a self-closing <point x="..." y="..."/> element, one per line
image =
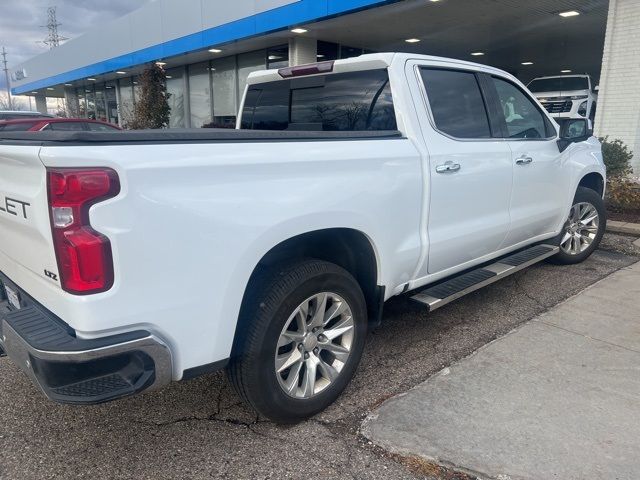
<point x="296" y="13"/>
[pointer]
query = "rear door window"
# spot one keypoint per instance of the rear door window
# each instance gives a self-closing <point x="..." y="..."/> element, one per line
<point x="456" y="103"/>
<point x="351" y="101"/>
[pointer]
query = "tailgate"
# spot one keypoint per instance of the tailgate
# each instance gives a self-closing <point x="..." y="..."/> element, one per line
<point x="26" y="245"/>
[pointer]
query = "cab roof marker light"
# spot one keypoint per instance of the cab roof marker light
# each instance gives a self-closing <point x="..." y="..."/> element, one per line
<point x="310" y="69"/>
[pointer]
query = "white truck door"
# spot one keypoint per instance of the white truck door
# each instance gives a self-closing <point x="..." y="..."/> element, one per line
<point x="538" y="203"/>
<point x="470" y="171"/>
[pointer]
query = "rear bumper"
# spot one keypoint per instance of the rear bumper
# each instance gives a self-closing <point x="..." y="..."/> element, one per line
<point x="72" y="370"/>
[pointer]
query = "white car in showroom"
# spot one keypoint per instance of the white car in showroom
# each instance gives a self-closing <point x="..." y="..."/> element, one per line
<point x="566" y="96"/>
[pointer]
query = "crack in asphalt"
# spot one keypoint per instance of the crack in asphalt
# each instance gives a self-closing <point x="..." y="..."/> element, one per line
<point x="195" y="418"/>
<point x="522" y="289"/>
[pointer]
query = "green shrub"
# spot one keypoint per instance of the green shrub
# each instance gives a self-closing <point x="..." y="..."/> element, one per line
<point x="623" y="195"/>
<point x="617" y="157"/>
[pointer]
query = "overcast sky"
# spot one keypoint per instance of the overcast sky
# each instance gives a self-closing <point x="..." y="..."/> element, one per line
<point x="20" y="22"/>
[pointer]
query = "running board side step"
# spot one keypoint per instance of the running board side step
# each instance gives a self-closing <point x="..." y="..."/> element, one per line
<point x="459" y="286"/>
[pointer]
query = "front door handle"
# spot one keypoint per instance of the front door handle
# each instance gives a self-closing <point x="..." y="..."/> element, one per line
<point x="448" y="167"/>
<point x="524" y="160"/>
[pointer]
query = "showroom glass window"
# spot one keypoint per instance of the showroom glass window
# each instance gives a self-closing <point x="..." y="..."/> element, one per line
<point x="523" y="119"/>
<point x="456" y="103"/>
<point x="247" y="63"/>
<point x="91" y="103"/>
<point x="337" y="102"/>
<point x="101" y="103"/>
<point x="175" y="88"/>
<point x="82" y="102"/>
<point x="199" y="94"/>
<point x="278" y="57"/>
<point x="137" y="89"/>
<point x="223" y="76"/>
<point x="112" y="102"/>
<point x="126" y="100"/>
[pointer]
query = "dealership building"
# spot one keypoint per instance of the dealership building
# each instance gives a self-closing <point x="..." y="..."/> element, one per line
<point x="209" y="47"/>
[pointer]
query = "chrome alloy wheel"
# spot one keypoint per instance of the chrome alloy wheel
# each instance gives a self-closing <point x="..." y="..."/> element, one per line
<point x="314" y="345"/>
<point x="581" y="228"/>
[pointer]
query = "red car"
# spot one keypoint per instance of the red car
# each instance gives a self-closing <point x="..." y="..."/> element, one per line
<point x="56" y="124"/>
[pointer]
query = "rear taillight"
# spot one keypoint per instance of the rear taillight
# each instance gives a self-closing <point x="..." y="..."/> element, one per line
<point x="84" y="255"/>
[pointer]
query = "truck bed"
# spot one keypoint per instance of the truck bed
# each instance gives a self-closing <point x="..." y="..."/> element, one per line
<point x="189" y="135"/>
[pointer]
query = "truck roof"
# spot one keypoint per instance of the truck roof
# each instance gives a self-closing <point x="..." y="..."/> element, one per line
<point x="570" y="75"/>
<point x="372" y="61"/>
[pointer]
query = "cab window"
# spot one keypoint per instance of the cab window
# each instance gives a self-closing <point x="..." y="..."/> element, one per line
<point x="456" y="103"/>
<point x="349" y="101"/>
<point x="521" y="116"/>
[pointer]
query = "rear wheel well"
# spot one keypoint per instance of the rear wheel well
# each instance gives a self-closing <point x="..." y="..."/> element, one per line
<point x="594" y="181"/>
<point x="348" y="248"/>
<point x="345" y="247"/>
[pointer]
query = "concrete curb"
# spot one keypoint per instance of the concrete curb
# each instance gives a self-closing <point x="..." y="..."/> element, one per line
<point x="623" y="227"/>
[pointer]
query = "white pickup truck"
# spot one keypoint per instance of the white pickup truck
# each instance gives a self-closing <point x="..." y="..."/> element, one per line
<point x="132" y="259"/>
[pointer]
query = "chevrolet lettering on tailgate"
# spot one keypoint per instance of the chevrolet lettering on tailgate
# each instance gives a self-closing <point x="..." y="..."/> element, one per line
<point x="13" y="206"/>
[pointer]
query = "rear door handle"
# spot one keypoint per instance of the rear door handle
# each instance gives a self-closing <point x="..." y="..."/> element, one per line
<point x="448" y="167"/>
<point x="524" y="160"/>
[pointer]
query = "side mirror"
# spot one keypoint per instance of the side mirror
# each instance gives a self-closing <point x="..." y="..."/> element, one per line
<point x="574" y="130"/>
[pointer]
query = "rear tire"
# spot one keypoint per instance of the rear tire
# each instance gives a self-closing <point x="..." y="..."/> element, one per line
<point x="583" y="230"/>
<point x="288" y="368"/>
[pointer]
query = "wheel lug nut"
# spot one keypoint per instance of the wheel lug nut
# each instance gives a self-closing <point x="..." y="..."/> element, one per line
<point x="300" y="346"/>
<point x="306" y="355"/>
<point x="316" y="351"/>
<point x="321" y="338"/>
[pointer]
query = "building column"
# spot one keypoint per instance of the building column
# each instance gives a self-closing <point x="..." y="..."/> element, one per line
<point x="41" y="104"/>
<point x="618" y="110"/>
<point x="302" y="50"/>
<point x="187" y="97"/>
<point x="119" y="103"/>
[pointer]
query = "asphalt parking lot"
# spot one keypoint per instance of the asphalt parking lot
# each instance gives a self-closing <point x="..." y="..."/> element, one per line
<point x="200" y="429"/>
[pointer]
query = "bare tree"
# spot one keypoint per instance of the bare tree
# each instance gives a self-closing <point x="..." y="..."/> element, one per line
<point x="16" y="103"/>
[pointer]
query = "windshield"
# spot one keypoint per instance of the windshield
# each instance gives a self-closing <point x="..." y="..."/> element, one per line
<point x="559" y="84"/>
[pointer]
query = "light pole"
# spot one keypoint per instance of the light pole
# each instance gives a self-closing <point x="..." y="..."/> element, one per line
<point x="6" y="74"/>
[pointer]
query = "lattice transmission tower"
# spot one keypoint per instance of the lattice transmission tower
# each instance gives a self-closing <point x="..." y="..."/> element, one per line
<point x="53" y="38"/>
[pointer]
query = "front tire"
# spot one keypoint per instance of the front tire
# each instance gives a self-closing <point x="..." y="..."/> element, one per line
<point x="304" y="331"/>
<point x="583" y="230"/>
